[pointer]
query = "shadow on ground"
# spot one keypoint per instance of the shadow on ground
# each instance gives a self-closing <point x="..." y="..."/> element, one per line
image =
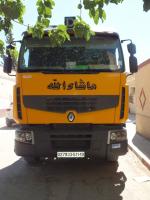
<point x="62" y="180"/>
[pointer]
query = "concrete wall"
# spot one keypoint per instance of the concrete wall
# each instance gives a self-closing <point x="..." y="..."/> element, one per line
<point x="142" y="84"/>
<point x="132" y="98"/>
<point x="6" y="91"/>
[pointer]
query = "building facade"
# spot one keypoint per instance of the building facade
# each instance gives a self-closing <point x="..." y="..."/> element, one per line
<point x="142" y="94"/>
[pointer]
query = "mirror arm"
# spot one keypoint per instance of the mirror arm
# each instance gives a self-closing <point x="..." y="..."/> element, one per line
<point x="14" y="41"/>
<point x="126" y="40"/>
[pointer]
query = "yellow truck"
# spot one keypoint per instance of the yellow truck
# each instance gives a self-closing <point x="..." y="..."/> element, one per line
<point x="71" y="101"/>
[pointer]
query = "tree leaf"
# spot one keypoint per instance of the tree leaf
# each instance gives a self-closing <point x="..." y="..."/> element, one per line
<point x="1" y="48"/>
<point x="48" y="11"/>
<point x="96" y="17"/>
<point x="104" y="15"/>
<point x="46" y="22"/>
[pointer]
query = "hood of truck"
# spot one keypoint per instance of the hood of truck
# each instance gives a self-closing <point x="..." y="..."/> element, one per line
<point x="52" y="98"/>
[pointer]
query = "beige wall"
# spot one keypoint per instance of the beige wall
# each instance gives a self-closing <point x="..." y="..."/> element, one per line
<point x="132" y="98"/>
<point x="142" y="84"/>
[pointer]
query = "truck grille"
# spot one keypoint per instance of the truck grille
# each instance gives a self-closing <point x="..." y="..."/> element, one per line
<point x="62" y="104"/>
<point x="79" y="104"/>
<point x="70" y="142"/>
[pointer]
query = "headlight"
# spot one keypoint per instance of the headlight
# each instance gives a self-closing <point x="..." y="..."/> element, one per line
<point x="113" y="136"/>
<point x="117" y="136"/>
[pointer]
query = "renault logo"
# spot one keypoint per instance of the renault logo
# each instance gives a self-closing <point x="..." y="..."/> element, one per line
<point x="71" y="117"/>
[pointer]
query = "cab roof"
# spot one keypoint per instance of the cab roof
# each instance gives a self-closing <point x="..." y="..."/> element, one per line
<point x="98" y="31"/>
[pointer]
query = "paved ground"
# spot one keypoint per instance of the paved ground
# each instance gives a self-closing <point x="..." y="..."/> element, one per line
<point x="69" y="180"/>
<point x="137" y="143"/>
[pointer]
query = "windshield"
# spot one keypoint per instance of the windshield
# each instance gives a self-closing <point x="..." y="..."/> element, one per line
<point x="100" y="54"/>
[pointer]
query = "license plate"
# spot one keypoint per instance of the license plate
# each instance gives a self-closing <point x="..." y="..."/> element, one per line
<point x="70" y="154"/>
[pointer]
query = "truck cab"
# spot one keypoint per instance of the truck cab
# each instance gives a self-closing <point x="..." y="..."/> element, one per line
<point x="71" y="100"/>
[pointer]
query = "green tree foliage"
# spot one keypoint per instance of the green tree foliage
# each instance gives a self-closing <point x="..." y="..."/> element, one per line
<point x="96" y="10"/>
<point x="44" y="9"/>
<point x="13" y="52"/>
<point x="58" y="36"/>
<point x="1" y="47"/>
<point x="10" y="10"/>
<point x="13" y="10"/>
<point x="82" y="29"/>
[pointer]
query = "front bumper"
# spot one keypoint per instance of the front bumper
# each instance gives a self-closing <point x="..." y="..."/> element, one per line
<point x="94" y="140"/>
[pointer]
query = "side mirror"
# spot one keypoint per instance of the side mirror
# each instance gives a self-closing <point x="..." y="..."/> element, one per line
<point x="133" y="63"/>
<point x="131" y="48"/>
<point x="7" y="64"/>
<point x="132" y="59"/>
